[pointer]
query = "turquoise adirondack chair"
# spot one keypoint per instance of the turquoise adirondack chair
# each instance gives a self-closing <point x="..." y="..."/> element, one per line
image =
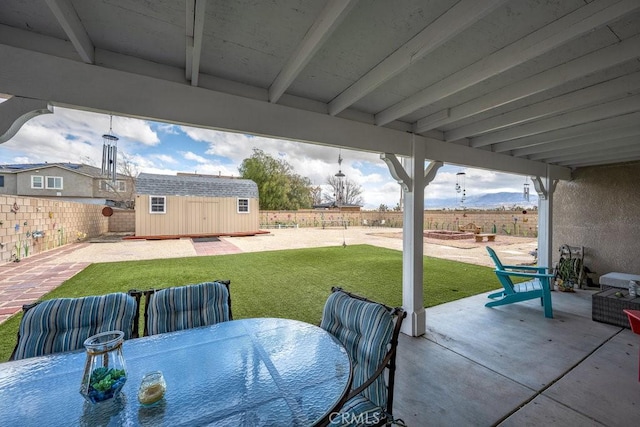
<point x="538" y="287"/>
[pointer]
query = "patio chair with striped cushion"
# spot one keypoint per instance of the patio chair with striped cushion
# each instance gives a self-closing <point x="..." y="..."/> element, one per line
<point x="63" y="324"/>
<point x="185" y="307"/>
<point x="369" y="332"/>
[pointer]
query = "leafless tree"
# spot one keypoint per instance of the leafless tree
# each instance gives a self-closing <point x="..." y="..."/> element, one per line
<point x="351" y="192"/>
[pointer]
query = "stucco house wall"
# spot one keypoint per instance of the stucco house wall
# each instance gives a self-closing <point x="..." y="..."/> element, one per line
<point x="79" y="181"/>
<point x="9" y="184"/>
<point x="600" y="210"/>
<point x="73" y="183"/>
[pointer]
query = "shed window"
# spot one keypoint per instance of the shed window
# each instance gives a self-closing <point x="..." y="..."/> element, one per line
<point x="1" y="180"/>
<point x="243" y="205"/>
<point x="37" y="181"/>
<point x="157" y="204"/>
<point x="54" y="182"/>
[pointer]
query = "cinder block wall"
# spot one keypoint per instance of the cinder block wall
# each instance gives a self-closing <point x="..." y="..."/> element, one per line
<point x="600" y="210"/>
<point x="61" y="223"/>
<point x="122" y="221"/>
<point x="502" y="221"/>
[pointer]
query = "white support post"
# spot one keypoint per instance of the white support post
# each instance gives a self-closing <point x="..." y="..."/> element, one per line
<point x="413" y="178"/>
<point x="545" y="186"/>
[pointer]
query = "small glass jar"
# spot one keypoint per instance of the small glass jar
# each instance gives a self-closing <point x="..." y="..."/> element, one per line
<point x="104" y="372"/>
<point x="152" y="388"/>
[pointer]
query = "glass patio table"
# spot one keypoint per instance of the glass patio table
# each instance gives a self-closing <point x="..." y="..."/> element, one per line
<point x="243" y="372"/>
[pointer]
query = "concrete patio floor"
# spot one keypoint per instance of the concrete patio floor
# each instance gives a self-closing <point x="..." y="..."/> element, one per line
<point x="511" y="366"/>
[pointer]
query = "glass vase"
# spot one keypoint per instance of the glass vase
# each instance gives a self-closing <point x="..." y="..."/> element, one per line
<point x="104" y="372"/>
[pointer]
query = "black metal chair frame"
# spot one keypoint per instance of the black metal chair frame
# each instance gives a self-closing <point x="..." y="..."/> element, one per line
<point x="389" y="361"/>
<point x="147" y="294"/>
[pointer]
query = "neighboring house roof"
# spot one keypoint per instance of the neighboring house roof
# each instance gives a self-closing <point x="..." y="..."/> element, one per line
<point x="170" y="185"/>
<point x="79" y="168"/>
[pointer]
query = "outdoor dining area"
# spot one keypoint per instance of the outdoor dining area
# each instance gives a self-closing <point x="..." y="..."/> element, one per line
<point x="196" y="365"/>
<point x="191" y="363"/>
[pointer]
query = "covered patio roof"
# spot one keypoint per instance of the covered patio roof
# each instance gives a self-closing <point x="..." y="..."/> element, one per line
<point x="532" y="87"/>
<point x="510" y="85"/>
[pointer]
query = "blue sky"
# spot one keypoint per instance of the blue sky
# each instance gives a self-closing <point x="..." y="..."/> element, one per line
<point x="76" y="136"/>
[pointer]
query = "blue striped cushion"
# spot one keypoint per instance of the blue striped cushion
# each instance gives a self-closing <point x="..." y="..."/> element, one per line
<point x="190" y="306"/>
<point x="63" y="324"/>
<point x="365" y="330"/>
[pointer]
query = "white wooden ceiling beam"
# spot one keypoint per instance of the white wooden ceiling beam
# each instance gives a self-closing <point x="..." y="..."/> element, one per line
<point x="74" y="84"/>
<point x="190" y="21"/>
<point x="617" y="107"/>
<point x="455" y="20"/>
<point x="601" y="147"/>
<point x="629" y="157"/>
<point x="195" y="12"/>
<point x="621" y="155"/>
<point x="70" y="22"/>
<point x="325" y="24"/>
<point x="541" y="151"/>
<point x="566" y="133"/>
<point x="598" y="93"/>
<point x="593" y="62"/>
<point x="583" y="20"/>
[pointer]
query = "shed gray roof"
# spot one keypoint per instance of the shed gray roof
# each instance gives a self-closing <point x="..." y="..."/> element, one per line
<point x="200" y="186"/>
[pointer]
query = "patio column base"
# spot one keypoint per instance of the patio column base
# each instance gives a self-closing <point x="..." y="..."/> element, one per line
<point x="415" y="324"/>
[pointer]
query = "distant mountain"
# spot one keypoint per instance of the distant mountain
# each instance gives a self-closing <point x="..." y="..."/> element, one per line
<point x="484" y="201"/>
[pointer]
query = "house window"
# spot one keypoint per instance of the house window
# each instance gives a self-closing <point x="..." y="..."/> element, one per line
<point x="37" y="181"/>
<point x="1" y="180"/>
<point x="54" y="182"/>
<point x="120" y="186"/>
<point x="243" y="205"/>
<point x="157" y="204"/>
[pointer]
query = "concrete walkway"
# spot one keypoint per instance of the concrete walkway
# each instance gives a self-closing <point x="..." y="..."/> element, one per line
<point x="28" y="280"/>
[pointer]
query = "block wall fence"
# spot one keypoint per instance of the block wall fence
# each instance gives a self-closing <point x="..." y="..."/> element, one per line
<point x="515" y="223"/>
<point x="39" y="225"/>
<point x="31" y="225"/>
<point x="122" y="221"/>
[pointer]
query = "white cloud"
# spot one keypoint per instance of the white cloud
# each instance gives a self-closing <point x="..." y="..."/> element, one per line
<point x="164" y="158"/>
<point x="194" y="157"/>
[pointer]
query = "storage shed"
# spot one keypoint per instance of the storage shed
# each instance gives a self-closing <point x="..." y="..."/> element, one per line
<point x="192" y="205"/>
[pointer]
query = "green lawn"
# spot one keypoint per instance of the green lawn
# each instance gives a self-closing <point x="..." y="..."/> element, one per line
<point x="291" y="283"/>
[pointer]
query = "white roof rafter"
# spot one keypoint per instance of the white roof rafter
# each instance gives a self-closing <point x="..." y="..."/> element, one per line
<point x="583" y="97"/>
<point x="579" y="67"/>
<point x="68" y="18"/>
<point x="619" y="107"/>
<point x="557" y="33"/>
<point x="194" y="33"/>
<point x="568" y="132"/>
<point x="451" y="23"/>
<point x="603" y="136"/>
<point x="602" y="147"/>
<point x="328" y="20"/>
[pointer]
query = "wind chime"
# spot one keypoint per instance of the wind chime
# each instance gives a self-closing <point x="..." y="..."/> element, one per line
<point x="339" y="196"/>
<point x="460" y="187"/>
<point x="110" y="153"/>
<point x="526" y="190"/>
